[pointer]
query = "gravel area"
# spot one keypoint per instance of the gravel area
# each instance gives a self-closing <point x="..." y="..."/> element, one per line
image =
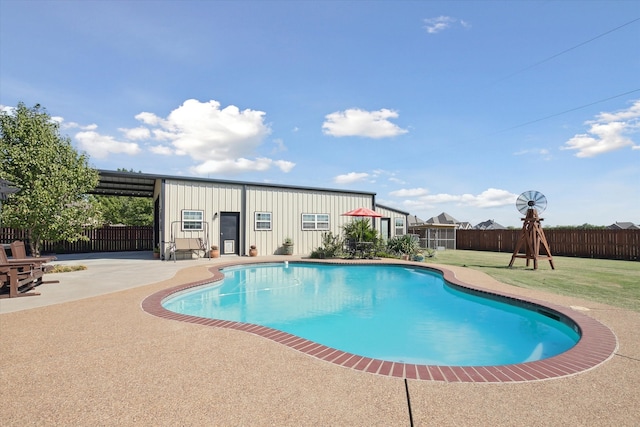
<point x="101" y="360"/>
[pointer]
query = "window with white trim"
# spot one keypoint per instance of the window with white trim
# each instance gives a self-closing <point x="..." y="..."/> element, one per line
<point x="315" y="221"/>
<point x="262" y="221"/>
<point x="192" y="220"/>
<point x="399" y="226"/>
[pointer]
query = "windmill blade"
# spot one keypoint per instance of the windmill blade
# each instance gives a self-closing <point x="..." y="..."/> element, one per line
<point x="540" y="202"/>
<point x="531" y="200"/>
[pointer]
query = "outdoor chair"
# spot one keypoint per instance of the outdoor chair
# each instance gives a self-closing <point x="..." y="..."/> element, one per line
<point x="18" y="251"/>
<point x="20" y="274"/>
<point x="17" y="283"/>
<point x="350" y="248"/>
<point x="18" y="277"/>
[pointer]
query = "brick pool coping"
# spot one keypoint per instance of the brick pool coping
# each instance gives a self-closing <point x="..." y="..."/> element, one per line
<point x="596" y="345"/>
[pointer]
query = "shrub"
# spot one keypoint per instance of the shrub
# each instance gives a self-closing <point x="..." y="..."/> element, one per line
<point x="403" y="245"/>
<point x="331" y="246"/>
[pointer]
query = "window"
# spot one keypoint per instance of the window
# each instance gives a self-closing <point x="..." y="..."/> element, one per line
<point x="192" y="220"/>
<point x="262" y="221"/>
<point x="315" y="221"/>
<point x="399" y="226"/>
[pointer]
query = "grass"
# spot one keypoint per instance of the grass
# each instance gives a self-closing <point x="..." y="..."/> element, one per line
<point x="615" y="283"/>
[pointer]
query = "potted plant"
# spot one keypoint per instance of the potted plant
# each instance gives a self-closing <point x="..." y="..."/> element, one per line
<point x="253" y="251"/>
<point x="287" y="246"/>
<point x="156" y="252"/>
<point x="214" y="252"/>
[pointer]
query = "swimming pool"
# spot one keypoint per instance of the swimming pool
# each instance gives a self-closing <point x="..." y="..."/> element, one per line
<point x="402" y="314"/>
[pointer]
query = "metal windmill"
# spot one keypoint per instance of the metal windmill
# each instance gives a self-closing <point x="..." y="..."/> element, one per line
<point x="530" y="204"/>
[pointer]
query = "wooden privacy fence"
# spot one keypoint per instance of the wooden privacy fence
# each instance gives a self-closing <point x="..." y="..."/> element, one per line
<point x="105" y="239"/>
<point x="592" y="243"/>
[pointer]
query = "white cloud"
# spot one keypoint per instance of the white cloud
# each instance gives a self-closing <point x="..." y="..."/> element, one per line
<point x="148" y="119"/>
<point x="351" y="177"/>
<point x="74" y="125"/>
<point x="220" y="140"/>
<point x="162" y="150"/>
<point x="608" y="132"/>
<point x="489" y="198"/>
<point x="356" y="122"/>
<point x="136" y="134"/>
<point x="410" y="192"/>
<point x="240" y="165"/>
<point x="441" y="23"/>
<point x="284" y="165"/>
<point x="101" y="146"/>
<point x="397" y="180"/>
<point x="542" y="152"/>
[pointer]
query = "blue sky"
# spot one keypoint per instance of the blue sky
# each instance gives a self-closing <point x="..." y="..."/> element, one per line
<point x="454" y="106"/>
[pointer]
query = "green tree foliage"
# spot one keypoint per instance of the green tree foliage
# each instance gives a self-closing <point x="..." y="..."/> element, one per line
<point x="53" y="178"/>
<point x="584" y="226"/>
<point x="360" y="230"/>
<point x="124" y="210"/>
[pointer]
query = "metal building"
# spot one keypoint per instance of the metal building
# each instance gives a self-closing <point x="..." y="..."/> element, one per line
<point x="234" y="215"/>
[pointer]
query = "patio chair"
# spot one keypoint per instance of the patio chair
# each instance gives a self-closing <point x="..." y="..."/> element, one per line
<point x="18" y="251"/>
<point x="351" y="247"/>
<point x="17" y="283"/>
<point x="18" y="277"/>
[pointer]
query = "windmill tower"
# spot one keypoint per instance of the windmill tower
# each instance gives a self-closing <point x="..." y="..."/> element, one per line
<point x="530" y="204"/>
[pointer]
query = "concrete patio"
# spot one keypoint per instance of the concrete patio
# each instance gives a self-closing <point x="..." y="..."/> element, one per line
<point x="84" y="353"/>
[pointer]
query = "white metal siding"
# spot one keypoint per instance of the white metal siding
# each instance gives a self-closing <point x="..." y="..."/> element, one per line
<point x="211" y="198"/>
<point x="392" y="215"/>
<point x="287" y="206"/>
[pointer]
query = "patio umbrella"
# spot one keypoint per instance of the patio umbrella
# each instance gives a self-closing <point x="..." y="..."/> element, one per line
<point x="363" y="212"/>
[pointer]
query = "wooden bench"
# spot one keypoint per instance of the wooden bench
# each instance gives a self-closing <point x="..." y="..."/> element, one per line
<point x="193" y="245"/>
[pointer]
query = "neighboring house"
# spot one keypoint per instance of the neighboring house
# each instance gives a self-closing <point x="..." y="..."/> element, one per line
<point x="624" y="226"/>
<point x="443" y="219"/>
<point x="234" y="215"/>
<point x="413" y="220"/>
<point x="464" y="225"/>
<point x="489" y="225"/>
<point x="438" y="232"/>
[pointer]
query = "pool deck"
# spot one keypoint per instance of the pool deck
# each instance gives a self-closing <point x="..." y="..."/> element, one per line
<point x="84" y="352"/>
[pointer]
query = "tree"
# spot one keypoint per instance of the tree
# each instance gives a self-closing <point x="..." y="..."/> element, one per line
<point x="124" y="210"/>
<point x="53" y="178"/>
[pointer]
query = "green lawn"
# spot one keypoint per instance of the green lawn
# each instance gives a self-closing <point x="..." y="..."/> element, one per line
<point x="611" y="282"/>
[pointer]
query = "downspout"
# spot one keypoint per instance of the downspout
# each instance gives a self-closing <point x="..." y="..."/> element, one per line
<point x="243" y="218"/>
<point x="373" y="206"/>
<point x="162" y="215"/>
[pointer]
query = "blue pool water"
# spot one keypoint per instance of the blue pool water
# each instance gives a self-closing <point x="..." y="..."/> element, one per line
<point x="394" y="313"/>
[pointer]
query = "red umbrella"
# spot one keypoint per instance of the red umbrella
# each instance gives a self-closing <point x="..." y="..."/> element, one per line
<point x="363" y="212"/>
<point x="357" y="245"/>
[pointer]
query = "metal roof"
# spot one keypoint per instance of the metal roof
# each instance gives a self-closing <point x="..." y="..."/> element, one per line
<point x="125" y="184"/>
<point x="120" y="183"/>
